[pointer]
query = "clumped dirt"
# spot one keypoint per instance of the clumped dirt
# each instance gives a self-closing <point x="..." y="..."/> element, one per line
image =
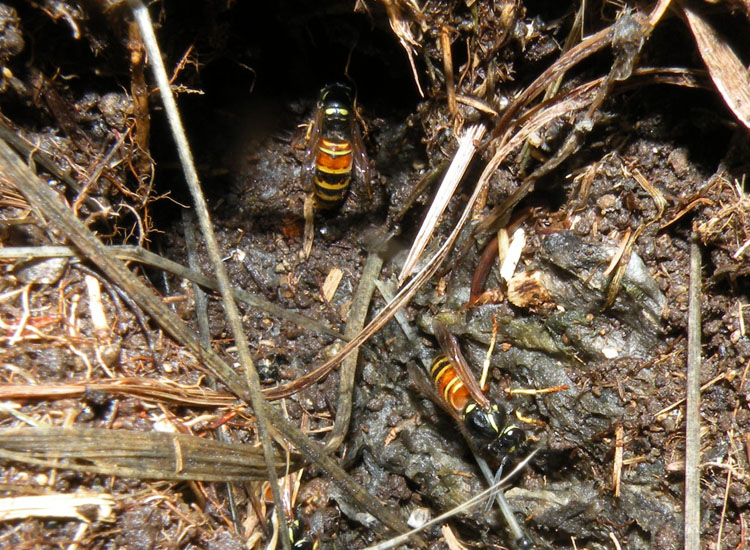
<point x="661" y="160"/>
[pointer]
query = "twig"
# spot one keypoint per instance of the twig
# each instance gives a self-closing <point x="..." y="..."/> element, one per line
<point x="724" y="509"/>
<point x="357" y="315"/>
<point x="723" y="376"/>
<point x="450" y="87"/>
<point x="692" y="413"/>
<point x="520" y="538"/>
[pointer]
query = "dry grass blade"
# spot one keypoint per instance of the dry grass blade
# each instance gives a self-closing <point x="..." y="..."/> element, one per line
<point x="730" y="76"/>
<point x="162" y="391"/>
<point x="464" y="154"/>
<point x="627" y="36"/>
<point x="478" y="104"/>
<point x="692" y="412"/>
<point x="140" y="455"/>
<point x="401" y="26"/>
<point x="619" y="264"/>
<point x="589" y="46"/>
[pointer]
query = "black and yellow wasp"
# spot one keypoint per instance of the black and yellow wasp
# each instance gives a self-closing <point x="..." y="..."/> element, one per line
<point x="454" y="387"/>
<point x="334" y="148"/>
<point x="299" y="536"/>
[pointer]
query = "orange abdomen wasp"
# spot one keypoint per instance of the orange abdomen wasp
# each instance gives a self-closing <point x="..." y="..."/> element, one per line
<point x="335" y="148"/>
<point x="455" y="388"/>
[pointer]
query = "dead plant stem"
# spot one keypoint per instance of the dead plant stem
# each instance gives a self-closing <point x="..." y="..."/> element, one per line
<point x="692" y="412"/>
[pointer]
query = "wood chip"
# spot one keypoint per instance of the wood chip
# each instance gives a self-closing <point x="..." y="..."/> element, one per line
<point x="309" y="213"/>
<point x="619" y="450"/>
<point x="513" y="254"/>
<point x="83" y="507"/>
<point x="526" y="289"/>
<point x="96" y="308"/>
<point x="331" y="283"/>
<point x="450" y="538"/>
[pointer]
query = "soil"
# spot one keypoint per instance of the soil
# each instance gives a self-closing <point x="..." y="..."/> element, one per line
<point x="610" y="342"/>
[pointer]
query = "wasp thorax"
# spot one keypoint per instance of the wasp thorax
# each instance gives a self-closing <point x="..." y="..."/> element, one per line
<point x="485" y="424"/>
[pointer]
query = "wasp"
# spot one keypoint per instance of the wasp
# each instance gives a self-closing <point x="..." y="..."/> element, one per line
<point x="334" y="148"/>
<point x="454" y="387"/>
<point x="300" y="537"/>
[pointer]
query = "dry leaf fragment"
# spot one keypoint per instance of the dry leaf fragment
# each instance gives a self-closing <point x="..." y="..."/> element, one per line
<point x="730" y="76"/>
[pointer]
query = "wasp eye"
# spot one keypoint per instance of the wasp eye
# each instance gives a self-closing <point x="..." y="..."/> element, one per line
<point x="485" y="424"/>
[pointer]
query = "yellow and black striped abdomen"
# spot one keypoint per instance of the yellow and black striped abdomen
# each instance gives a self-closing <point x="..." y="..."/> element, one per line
<point x="333" y="172"/>
<point x="448" y="384"/>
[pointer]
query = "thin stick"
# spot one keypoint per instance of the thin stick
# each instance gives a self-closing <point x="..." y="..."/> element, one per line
<point x="520" y="538"/>
<point x="692" y="413"/>
<point x="450" y="87"/>
<point x="142" y="17"/>
<point x="357" y="316"/>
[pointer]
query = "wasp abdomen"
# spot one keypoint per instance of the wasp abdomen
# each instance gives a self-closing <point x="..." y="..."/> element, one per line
<point x="448" y="384"/>
<point x="333" y="171"/>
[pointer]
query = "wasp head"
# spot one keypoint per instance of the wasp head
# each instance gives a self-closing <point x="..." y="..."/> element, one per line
<point x="510" y="441"/>
<point x="490" y="426"/>
<point x="299" y="538"/>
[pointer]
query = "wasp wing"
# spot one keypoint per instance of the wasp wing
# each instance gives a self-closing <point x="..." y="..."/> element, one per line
<point x="449" y="344"/>
<point x="359" y="153"/>
<point x="311" y="150"/>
